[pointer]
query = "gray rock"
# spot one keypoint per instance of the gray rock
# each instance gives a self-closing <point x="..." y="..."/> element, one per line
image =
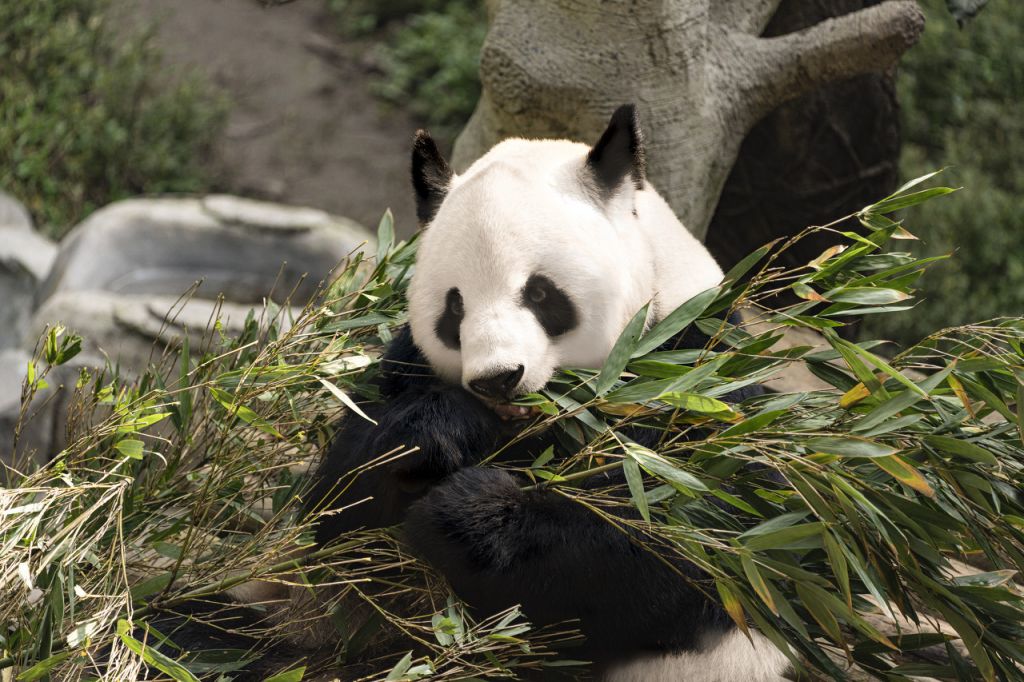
<point x="240" y="248"/>
<point x="13" y="364"/>
<point x="25" y="261"/>
<point x="137" y="330"/>
<point x="17" y="288"/>
<point x="43" y="431"/>
<point x="13" y="213"/>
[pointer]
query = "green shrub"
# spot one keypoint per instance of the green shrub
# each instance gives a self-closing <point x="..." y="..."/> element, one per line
<point x="962" y="93"/>
<point x="429" y="54"/>
<point x="432" y="65"/>
<point x="87" y="116"/>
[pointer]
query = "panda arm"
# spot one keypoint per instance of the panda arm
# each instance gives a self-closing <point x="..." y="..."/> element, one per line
<point x="425" y="429"/>
<point x="499" y="545"/>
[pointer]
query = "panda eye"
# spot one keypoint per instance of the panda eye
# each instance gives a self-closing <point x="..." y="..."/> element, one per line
<point x="455" y="303"/>
<point x="447" y="326"/>
<point x="550" y="305"/>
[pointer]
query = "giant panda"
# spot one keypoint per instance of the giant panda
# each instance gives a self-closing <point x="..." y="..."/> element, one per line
<point x="534" y="258"/>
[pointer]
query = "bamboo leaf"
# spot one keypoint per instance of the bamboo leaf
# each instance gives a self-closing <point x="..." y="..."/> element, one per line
<point x="635" y="481"/>
<point x="849" y="446"/>
<point x="676" y="321"/>
<point x="152" y="657"/>
<point x="757" y="582"/>
<point x="962" y="448"/>
<point x="345" y="399"/>
<point x="656" y="465"/>
<point x="904" y="472"/>
<point x="732" y="605"/>
<point x="624" y="348"/>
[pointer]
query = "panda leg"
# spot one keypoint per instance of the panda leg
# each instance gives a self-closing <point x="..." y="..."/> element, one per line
<point x="722" y="657"/>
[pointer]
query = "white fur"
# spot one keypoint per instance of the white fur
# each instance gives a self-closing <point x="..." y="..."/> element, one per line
<point x="728" y="657"/>
<point x="524" y="208"/>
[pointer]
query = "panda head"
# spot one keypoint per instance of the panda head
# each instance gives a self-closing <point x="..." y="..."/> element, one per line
<point x="530" y="260"/>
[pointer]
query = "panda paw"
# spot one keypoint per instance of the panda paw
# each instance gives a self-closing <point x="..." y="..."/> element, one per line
<point x="470" y="521"/>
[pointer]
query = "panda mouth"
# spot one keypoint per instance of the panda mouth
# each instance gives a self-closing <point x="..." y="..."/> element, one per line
<point x="509" y="412"/>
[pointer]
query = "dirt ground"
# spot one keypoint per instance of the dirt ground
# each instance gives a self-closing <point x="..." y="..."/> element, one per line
<point x="304" y="128"/>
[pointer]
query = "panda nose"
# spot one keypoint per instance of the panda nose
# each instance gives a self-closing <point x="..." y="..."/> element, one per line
<point x="500" y="386"/>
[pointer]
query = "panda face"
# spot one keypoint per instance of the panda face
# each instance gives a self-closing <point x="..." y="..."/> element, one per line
<point x="518" y="275"/>
<point x="538" y="256"/>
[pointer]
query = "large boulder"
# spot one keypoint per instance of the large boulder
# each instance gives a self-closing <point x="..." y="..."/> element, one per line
<point x="25" y="261"/>
<point x="13" y="213"/>
<point x="137" y="330"/>
<point x="243" y="249"/>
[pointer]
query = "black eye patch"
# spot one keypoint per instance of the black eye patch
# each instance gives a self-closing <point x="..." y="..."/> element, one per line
<point x="550" y="305"/>
<point x="447" y="327"/>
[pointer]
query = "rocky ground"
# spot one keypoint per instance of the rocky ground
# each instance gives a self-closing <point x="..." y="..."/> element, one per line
<point x="304" y="128"/>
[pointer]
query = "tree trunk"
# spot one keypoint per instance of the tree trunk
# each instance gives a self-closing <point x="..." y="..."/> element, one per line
<point x="697" y="70"/>
<point x="815" y="159"/>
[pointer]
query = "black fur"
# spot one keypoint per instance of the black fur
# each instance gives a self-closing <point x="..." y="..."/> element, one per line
<point x="430" y="176"/>
<point x="619" y="153"/>
<point x="497" y="544"/>
<point x="550" y="305"/>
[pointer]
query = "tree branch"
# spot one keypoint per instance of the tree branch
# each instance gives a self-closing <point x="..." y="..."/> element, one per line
<point x="780" y="69"/>
<point x="744" y="16"/>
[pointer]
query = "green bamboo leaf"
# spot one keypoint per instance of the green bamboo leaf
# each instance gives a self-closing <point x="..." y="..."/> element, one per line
<point x="904" y="472"/>
<point x="755" y="423"/>
<point x="969" y="635"/>
<point x="152" y="657"/>
<point x="849" y="446"/>
<point x="737" y="271"/>
<point x="757" y="582"/>
<point x="293" y="675"/>
<point x="403" y="665"/>
<point x="246" y="414"/>
<point x="130" y="447"/>
<point x="624" y="348"/>
<point x="837" y="561"/>
<point x="676" y="321"/>
<point x="635" y="481"/>
<point x="962" y="448"/>
<point x="693" y="402"/>
<point x="815" y="600"/>
<point x="142" y="422"/>
<point x="884" y="366"/>
<point x="385" y="235"/>
<point x="910" y="184"/>
<point x="898" y="203"/>
<point x="151" y="586"/>
<point x="42" y="668"/>
<point x="544" y="457"/>
<point x="656" y="465"/>
<point x="731" y="603"/>
<point x="866" y="296"/>
<point x="784" y="537"/>
<point x="900" y="402"/>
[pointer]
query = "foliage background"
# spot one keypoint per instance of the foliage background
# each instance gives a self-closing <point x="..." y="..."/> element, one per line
<point x="87" y="116"/>
<point x="962" y="93"/>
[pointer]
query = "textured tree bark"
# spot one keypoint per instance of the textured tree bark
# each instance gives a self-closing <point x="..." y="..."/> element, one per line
<point x="697" y="70"/>
<point x="812" y="160"/>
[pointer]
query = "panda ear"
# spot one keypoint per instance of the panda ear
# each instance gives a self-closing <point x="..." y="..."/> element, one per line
<point x="619" y="153"/>
<point x="431" y="176"/>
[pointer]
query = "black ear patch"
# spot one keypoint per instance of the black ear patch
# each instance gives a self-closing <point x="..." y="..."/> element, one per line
<point x="431" y="176"/>
<point x="619" y="152"/>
